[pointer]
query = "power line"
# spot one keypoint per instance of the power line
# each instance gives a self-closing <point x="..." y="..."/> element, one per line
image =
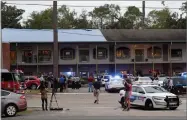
<point x="84" y="6"/>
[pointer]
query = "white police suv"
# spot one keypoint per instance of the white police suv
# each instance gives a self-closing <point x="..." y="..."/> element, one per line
<point x="114" y="84"/>
<point x="153" y="96"/>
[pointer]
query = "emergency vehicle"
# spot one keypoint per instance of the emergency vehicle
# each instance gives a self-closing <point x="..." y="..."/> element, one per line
<point x="153" y="96"/>
<point x="11" y="81"/>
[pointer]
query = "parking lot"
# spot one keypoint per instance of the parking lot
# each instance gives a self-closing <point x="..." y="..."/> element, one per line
<point x="80" y="103"/>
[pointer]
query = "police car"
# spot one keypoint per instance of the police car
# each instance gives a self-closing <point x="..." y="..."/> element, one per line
<point x="114" y="84"/>
<point x="153" y="96"/>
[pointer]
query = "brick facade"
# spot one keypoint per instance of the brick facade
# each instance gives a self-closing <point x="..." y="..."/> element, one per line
<point x="5" y="56"/>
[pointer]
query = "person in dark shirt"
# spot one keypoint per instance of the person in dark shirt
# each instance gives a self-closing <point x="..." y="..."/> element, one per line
<point x="97" y="86"/>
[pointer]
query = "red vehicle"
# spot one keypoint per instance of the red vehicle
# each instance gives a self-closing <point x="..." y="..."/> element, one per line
<point x="32" y="82"/>
<point x="11" y="81"/>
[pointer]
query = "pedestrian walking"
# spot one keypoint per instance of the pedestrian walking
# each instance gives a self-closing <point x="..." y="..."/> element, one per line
<point x="90" y="83"/>
<point x="43" y="91"/>
<point x="97" y="86"/>
<point x="128" y="92"/>
<point x="170" y="85"/>
<point x="62" y="82"/>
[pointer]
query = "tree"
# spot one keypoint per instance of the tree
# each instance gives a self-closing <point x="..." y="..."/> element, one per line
<point x="164" y="19"/>
<point x="66" y="18"/>
<point x="82" y="21"/>
<point x="184" y="7"/>
<point x="40" y="20"/>
<point x="160" y="18"/>
<point x="99" y="15"/>
<point x="43" y="19"/>
<point x="134" y="15"/>
<point x="11" y="16"/>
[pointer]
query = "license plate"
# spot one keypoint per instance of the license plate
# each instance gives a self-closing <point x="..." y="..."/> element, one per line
<point x="184" y="86"/>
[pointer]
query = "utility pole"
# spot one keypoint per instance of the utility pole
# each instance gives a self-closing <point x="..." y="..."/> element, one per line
<point x="143" y="13"/>
<point x="55" y="41"/>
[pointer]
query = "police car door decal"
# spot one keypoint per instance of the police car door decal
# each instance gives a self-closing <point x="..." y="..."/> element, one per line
<point x="132" y="98"/>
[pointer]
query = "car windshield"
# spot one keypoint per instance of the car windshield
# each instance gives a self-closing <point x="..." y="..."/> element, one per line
<point x="161" y="78"/>
<point x="154" y="89"/>
<point x="144" y="78"/>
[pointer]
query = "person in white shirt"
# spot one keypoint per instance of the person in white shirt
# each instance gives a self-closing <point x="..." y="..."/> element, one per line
<point x="170" y="84"/>
<point x="41" y="78"/>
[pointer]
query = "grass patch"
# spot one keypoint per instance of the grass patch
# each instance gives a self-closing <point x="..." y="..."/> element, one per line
<point x="25" y="112"/>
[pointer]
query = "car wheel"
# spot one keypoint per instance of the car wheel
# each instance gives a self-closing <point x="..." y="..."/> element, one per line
<point x="173" y="108"/>
<point x="33" y="87"/>
<point x="10" y="110"/>
<point x="148" y="105"/>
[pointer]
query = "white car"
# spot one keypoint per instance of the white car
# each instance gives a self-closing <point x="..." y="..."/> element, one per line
<point x="161" y="80"/>
<point x="104" y="79"/>
<point x="143" y="80"/>
<point x="153" y="96"/>
<point x="114" y="84"/>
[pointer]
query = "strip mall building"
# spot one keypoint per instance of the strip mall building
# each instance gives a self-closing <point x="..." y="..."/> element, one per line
<point x="87" y="51"/>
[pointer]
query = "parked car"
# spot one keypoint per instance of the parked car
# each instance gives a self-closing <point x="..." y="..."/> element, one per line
<point x="32" y="82"/>
<point x="73" y="80"/>
<point x="179" y="84"/>
<point x="161" y="80"/>
<point x="114" y="84"/>
<point x="143" y="80"/>
<point x="11" y="103"/>
<point x="11" y="81"/>
<point x="153" y="96"/>
<point x="104" y="79"/>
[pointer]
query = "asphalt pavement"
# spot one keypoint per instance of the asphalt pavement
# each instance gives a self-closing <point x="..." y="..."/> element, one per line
<point x="78" y="104"/>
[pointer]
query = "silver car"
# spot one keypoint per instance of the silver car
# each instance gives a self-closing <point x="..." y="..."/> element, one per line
<point x="11" y="103"/>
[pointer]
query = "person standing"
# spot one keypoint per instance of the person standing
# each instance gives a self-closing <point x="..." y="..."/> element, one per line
<point x="62" y="82"/>
<point x="128" y="92"/>
<point x="170" y="85"/>
<point x="43" y="91"/>
<point x="90" y="83"/>
<point x="97" y="86"/>
<point x="65" y="80"/>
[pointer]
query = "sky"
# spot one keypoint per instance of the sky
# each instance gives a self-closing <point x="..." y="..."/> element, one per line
<point x="156" y="4"/>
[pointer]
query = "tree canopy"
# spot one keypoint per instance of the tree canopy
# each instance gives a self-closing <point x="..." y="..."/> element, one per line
<point x="108" y="16"/>
<point x="11" y="16"/>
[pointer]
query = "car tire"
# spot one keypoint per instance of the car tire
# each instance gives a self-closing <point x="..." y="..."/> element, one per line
<point x="10" y="110"/>
<point x="173" y="108"/>
<point x="149" y="105"/>
<point x="33" y="87"/>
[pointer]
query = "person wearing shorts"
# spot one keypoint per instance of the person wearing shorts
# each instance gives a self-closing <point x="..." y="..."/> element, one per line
<point x="128" y="89"/>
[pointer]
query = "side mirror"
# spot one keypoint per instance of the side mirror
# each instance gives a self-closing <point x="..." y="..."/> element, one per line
<point x="141" y="92"/>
